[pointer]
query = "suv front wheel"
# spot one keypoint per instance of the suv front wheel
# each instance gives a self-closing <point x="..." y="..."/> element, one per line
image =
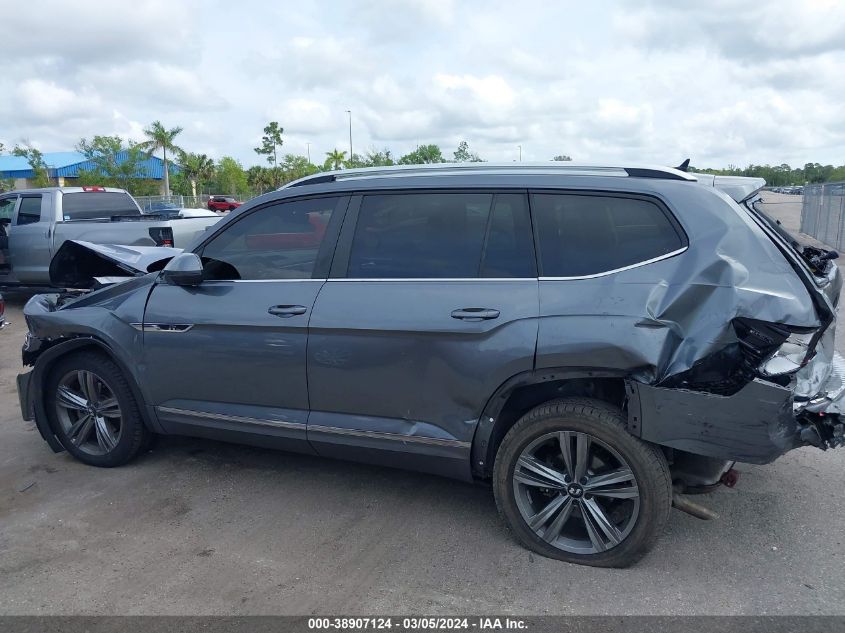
<point x="573" y="484"/>
<point x="93" y="411"/>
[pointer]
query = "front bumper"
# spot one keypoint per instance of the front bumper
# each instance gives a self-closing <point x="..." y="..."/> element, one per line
<point x="24" y="395"/>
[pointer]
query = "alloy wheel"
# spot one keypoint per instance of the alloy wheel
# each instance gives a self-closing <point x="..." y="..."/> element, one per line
<point x="88" y="412"/>
<point x="576" y="492"/>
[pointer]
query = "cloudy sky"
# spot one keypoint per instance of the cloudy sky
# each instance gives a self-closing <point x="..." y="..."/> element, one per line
<point x="725" y="82"/>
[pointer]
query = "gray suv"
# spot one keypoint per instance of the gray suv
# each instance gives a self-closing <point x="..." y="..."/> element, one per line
<point x="597" y="342"/>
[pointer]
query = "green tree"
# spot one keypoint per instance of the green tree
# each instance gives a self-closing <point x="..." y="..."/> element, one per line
<point x="355" y="161"/>
<point x="114" y="164"/>
<point x="197" y="168"/>
<point x="35" y="159"/>
<point x="463" y="155"/>
<point x="334" y="159"/>
<point x="271" y="140"/>
<point x="424" y="154"/>
<point x="384" y="158"/>
<point x="259" y="179"/>
<point x="160" y="138"/>
<point x="231" y="177"/>
<point x="6" y="184"/>
<point x="294" y="167"/>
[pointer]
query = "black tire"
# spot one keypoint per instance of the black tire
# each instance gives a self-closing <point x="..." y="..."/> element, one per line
<point x="602" y="422"/>
<point x="132" y="435"/>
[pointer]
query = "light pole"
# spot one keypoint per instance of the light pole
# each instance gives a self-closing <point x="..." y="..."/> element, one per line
<point x="520" y="153"/>
<point x="349" y="112"/>
<point x="308" y="151"/>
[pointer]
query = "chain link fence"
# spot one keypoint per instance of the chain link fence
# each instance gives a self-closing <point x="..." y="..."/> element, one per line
<point x="823" y="213"/>
<point x="157" y="203"/>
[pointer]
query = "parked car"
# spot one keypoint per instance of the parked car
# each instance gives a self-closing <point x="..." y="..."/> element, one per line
<point x="223" y="203"/>
<point x="594" y="341"/>
<point x="34" y="223"/>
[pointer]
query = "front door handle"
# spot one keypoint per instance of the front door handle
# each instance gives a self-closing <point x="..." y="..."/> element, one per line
<point x="475" y="314"/>
<point x="286" y="311"/>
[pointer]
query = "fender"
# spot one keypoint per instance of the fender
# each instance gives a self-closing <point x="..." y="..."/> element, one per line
<point x="482" y="453"/>
<point x="42" y="368"/>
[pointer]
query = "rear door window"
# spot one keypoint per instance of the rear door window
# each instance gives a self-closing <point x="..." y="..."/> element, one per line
<point x="419" y="235"/>
<point x="29" y="211"/>
<point x="580" y="235"/>
<point x="97" y="205"/>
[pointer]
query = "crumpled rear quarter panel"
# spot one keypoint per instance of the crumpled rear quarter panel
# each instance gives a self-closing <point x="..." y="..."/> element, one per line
<point x="658" y="320"/>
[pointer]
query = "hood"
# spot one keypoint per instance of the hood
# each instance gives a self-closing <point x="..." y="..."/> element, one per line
<point x="79" y="264"/>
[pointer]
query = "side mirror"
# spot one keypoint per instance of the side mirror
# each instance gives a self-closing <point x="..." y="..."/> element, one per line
<point x="183" y="270"/>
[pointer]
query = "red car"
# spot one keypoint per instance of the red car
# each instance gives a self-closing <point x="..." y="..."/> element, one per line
<point x="223" y="203"/>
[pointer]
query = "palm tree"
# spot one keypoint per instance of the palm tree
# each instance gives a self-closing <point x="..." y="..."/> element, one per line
<point x="336" y="158"/>
<point x="160" y="138"/>
<point x="196" y="167"/>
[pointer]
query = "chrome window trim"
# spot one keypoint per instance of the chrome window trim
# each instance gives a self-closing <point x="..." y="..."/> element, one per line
<point x="254" y="281"/>
<point x="170" y="328"/>
<point x="257" y="281"/>
<point x="379" y="435"/>
<point x="618" y="270"/>
<point x="232" y="418"/>
<point x="434" y="279"/>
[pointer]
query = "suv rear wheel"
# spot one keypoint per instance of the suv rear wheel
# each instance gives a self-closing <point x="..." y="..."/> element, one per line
<point x="93" y="410"/>
<point x="573" y="484"/>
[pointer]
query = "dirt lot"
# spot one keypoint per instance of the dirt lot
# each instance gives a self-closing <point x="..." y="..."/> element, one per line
<point x="198" y="527"/>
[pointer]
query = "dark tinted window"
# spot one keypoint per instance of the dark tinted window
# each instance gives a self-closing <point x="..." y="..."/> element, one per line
<point x="29" y="211"/>
<point x="588" y="234"/>
<point x="419" y="235"/>
<point x="508" y="250"/>
<point x="277" y="242"/>
<point x="97" y="205"/>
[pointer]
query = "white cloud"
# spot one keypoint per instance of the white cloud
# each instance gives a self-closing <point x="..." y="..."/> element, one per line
<point x="722" y="82"/>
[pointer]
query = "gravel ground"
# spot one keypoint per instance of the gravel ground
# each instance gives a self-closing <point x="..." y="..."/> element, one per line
<point x="199" y="527"/>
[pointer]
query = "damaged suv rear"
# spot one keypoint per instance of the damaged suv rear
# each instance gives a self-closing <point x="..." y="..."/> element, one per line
<point x="597" y="341"/>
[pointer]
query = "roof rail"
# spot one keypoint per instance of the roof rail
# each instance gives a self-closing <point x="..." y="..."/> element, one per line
<point x="455" y="169"/>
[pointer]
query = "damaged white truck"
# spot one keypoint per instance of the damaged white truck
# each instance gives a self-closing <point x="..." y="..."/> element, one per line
<point x="596" y="341"/>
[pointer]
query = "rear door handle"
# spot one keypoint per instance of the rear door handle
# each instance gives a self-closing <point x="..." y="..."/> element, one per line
<point x="286" y="311"/>
<point x="475" y="314"/>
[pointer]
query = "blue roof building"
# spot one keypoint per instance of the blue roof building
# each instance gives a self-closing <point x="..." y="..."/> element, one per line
<point x="66" y="165"/>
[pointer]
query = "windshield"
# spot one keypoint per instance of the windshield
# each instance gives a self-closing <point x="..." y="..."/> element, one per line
<point x="97" y="205"/>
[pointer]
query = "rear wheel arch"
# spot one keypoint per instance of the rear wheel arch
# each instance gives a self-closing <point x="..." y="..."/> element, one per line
<point x="524" y="391"/>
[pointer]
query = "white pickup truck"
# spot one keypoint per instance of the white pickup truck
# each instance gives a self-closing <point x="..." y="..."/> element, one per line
<point x="34" y="223"/>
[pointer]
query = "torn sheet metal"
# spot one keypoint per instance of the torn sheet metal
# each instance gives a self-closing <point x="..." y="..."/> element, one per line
<point x="77" y="264"/>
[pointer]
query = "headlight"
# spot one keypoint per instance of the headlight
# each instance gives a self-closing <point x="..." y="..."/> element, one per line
<point x="791" y="356"/>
